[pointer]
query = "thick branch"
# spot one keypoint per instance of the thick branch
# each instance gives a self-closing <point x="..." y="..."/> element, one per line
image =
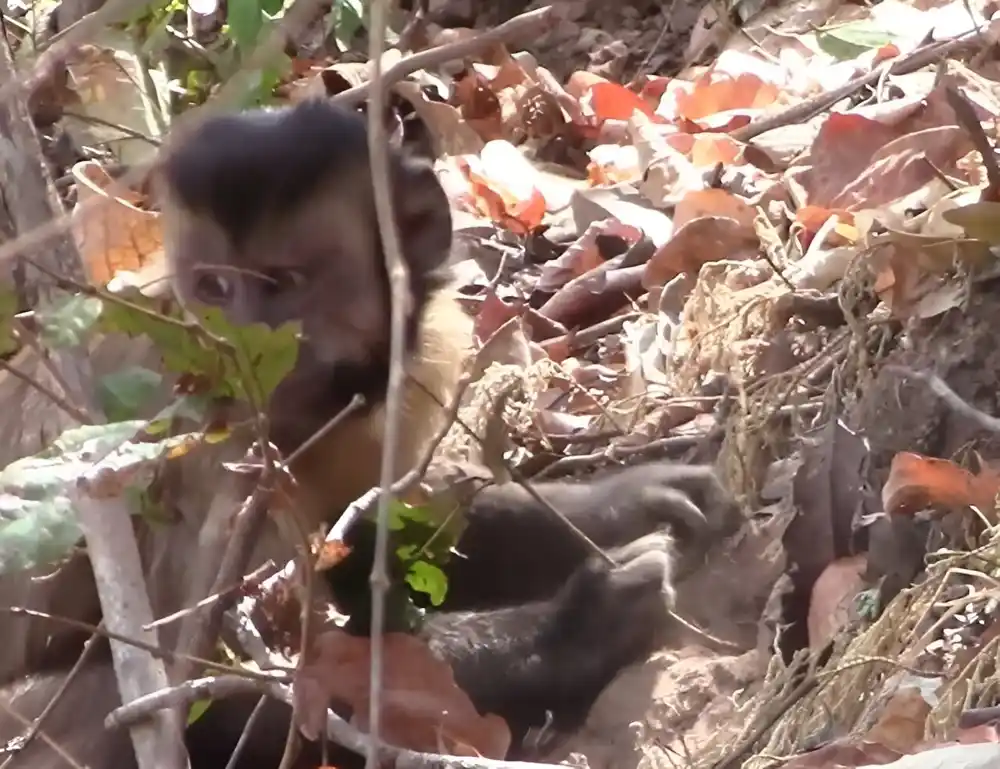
<point x="117" y="567"/>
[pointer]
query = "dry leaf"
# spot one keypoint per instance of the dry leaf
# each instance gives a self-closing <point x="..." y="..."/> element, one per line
<point x="901" y="724"/>
<point x="111" y="233"/>
<point x="420" y="700"/>
<point x="833" y="597"/>
<point x="916" y="482"/>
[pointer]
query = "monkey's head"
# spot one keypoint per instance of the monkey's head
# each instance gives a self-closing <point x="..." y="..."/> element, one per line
<point x="270" y="215"/>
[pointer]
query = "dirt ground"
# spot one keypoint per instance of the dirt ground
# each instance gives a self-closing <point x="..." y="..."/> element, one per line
<point x="659" y="714"/>
<point x="616" y="40"/>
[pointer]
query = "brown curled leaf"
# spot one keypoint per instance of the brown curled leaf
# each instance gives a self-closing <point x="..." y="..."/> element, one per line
<point x="916" y="481"/>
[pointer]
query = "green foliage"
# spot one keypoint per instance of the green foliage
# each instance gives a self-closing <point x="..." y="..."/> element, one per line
<point x="197" y="710"/>
<point x="867" y="604"/>
<point x="267" y="80"/>
<point x="8" y="309"/>
<point x="245" y="20"/>
<point x="260" y="358"/>
<point x="422" y="547"/>
<point x="427" y="578"/>
<point x="850" y="40"/>
<point x="37" y="522"/>
<point x="68" y="322"/>
<point x="344" y="21"/>
<point x="123" y="394"/>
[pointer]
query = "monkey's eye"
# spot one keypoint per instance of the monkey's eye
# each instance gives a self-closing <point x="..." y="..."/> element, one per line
<point x="278" y="281"/>
<point x="212" y="288"/>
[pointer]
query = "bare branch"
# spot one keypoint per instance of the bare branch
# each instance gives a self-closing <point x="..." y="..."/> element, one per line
<point x="396" y="268"/>
<point x="949" y="396"/>
<point x="530" y="23"/>
<point x="117" y="566"/>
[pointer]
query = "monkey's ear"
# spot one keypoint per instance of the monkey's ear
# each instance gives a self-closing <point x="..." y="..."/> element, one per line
<point x="423" y="214"/>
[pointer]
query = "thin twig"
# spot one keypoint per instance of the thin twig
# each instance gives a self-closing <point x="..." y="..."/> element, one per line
<point x="56" y="747"/>
<point x="28" y="337"/>
<point x="180" y="696"/>
<point x="52" y="395"/>
<point x="531" y="23"/>
<point x="357" y="402"/>
<point x="245" y="737"/>
<point x="396" y="268"/>
<point x="156" y="651"/>
<point x="799" y="113"/>
<point x="949" y="396"/>
<point x="257" y="575"/>
<point x="37" y="724"/>
<point x="199" y="631"/>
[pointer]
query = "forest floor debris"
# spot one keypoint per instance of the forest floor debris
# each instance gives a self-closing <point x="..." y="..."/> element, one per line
<point x="738" y="262"/>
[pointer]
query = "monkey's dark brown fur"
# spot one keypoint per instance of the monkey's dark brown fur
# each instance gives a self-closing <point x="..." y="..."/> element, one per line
<point x="270" y="215"/>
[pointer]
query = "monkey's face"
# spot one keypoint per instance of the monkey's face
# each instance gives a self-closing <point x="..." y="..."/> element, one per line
<point x="270" y="215"/>
<point x="311" y="264"/>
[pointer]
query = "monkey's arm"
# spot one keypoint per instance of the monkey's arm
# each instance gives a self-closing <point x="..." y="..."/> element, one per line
<point x="514" y="550"/>
<point x="559" y="655"/>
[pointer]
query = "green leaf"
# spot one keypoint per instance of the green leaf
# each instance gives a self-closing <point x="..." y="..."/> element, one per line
<point x="427" y="578"/>
<point x="867" y="604"/>
<point x="192" y="407"/>
<point x="407" y="552"/>
<point x="850" y="40"/>
<point x="37" y="522"/>
<point x="400" y="513"/>
<point x="8" y="309"/>
<point x="35" y="532"/>
<point x="271" y="7"/>
<point x="979" y="220"/>
<point x="267" y="356"/>
<point x="262" y="92"/>
<point x="183" y="349"/>
<point x="245" y="21"/>
<point x="345" y="19"/>
<point x="67" y="323"/>
<point x="263" y="356"/>
<point x="123" y="394"/>
<point x="197" y="710"/>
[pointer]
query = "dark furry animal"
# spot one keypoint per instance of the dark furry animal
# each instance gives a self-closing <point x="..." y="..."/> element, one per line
<point x="558" y="656"/>
<point x="270" y="215"/>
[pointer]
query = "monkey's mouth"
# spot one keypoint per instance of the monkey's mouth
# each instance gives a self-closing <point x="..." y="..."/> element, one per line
<point x="313" y="394"/>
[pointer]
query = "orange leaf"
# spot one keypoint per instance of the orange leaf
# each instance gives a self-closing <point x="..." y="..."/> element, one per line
<point x="709" y="149"/>
<point x="502" y="187"/>
<point x="832" y="597"/>
<point x="652" y="90"/>
<point x="901" y="724"/>
<point x="916" y="481"/>
<point x="478" y="104"/>
<point x="500" y="206"/>
<point x="720" y="92"/>
<point x="610" y="101"/>
<point x="580" y="83"/>
<point x="119" y="235"/>
<point x="421" y="703"/>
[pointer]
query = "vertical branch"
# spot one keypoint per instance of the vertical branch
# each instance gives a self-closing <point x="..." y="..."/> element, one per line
<point x="117" y="566"/>
<point x="29" y="201"/>
<point x="378" y="150"/>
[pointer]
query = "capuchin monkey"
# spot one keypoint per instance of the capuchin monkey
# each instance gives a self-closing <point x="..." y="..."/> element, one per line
<point x="270" y="216"/>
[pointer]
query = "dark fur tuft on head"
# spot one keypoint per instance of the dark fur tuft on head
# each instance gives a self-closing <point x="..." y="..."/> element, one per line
<point x="237" y="169"/>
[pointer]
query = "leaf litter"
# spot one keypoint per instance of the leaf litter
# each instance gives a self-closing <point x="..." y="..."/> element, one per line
<point x="778" y="259"/>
